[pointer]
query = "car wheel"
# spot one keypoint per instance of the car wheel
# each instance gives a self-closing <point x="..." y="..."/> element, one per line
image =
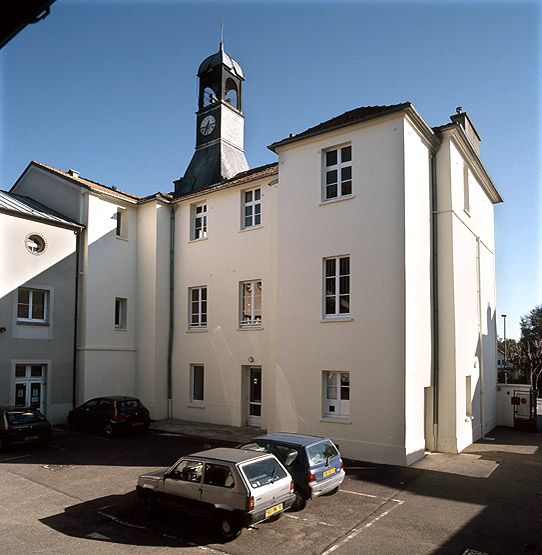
<point x="227" y="525"/>
<point x="71" y="424"/>
<point x="300" y="501"/>
<point x="108" y="430"/>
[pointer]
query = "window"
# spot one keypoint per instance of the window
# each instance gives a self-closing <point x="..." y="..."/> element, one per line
<point x="337" y="173"/>
<point x="33" y="305"/>
<point x="188" y="471"/>
<point x="218" y="475"/>
<point x="197" y="372"/>
<point x="121" y="307"/>
<point x="198" y="307"/>
<point x="252" y="208"/>
<point x="336" y="393"/>
<point x="199" y="221"/>
<point x="336" y="286"/>
<point x="122" y="223"/>
<point x="251" y="303"/>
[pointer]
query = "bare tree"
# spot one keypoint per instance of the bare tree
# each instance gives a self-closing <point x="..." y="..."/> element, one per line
<point x="526" y="355"/>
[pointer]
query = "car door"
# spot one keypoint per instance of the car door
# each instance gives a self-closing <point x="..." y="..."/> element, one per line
<point x="182" y="486"/>
<point x="221" y="489"/>
<point x="84" y="416"/>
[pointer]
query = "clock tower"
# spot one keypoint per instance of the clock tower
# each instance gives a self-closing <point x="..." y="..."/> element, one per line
<point x="219" y="125"/>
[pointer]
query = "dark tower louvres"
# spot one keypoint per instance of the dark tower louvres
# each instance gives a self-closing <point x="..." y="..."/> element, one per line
<point x="219" y="126"/>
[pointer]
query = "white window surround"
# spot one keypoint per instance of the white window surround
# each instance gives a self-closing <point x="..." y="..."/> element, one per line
<point x="198" y="219"/>
<point x="121" y="313"/>
<point x="337" y="172"/>
<point x="197" y="384"/>
<point x="251" y="215"/>
<point x="33" y="306"/>
<point x="197" y="308"/>
<point x="335" y="394"/>
<point x="121" y="230"/>
<point x="250" y="293"/>
<point x="336" y="287"/>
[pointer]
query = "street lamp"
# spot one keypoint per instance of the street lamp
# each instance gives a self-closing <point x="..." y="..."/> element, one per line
<point x="504" y="362"/>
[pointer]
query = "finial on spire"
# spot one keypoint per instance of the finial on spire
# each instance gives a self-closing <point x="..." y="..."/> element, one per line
<point x="222" y="33"/>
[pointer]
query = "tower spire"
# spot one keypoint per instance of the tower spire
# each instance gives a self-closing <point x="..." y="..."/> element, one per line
<point x="222" y="34"/>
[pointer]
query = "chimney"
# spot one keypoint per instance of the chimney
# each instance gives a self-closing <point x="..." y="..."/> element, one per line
<point x="462" y="119"/>
<point x="73" y="173"/>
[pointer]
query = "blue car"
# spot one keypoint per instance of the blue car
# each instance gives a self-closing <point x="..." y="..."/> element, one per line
<point x="314" y="462"/>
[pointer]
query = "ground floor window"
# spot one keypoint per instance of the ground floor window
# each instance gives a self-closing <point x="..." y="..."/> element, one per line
<point x="197" y="372"/>
<point x="336" y="394"/>
<point x="29" y="386"/>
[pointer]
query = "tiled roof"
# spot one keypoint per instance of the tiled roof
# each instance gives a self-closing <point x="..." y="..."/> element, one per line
<point x="351" y="117"/>
<point x="240" y="178"/>
<point x="98" y="187"/>
<point x="26" y="207"/>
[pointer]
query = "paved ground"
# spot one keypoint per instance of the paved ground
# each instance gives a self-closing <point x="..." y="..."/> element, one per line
<point x="77" y="496"/>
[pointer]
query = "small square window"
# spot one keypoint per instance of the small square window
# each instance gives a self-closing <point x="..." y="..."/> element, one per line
<point x="33" y="305"/>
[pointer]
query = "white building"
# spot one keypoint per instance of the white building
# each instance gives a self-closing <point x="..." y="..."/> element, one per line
<point x="347" y="290"/>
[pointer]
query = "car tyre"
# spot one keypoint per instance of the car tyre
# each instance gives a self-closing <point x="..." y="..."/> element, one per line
<point x="227" y="525"/>
<point x="108" y="430"/>
<point x="300" y="501"/>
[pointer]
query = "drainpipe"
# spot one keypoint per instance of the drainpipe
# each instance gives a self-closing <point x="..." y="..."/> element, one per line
<point x="171" y="306"/>
<point x="480" y="335"/>
<point x="434" y="262"/>
<point x="76" y="316"/>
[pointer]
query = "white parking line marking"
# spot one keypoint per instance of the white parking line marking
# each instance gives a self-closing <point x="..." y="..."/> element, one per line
<point x="356" y="531"/>
<point x="308" y="520"/>
<point x="13" y="458"/>
<point x="369" y="495"/>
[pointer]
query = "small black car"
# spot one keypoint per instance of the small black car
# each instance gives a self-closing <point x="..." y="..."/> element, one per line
<point x="23" y="425"/>
<point x="109" y="415"/>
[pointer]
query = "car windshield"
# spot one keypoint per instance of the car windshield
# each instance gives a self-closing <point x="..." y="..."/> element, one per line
<point x="261" y="473"/>
<point x="25" y="416"/>
<point x="321" y="452"/>
<point x="124" y="407"/>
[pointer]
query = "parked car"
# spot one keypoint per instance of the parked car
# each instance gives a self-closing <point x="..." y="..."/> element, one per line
<point x="314" y="463"/>
<point x="234" y="488"/>
<point x="110" y="415"/>
<point x="23" y="425"/>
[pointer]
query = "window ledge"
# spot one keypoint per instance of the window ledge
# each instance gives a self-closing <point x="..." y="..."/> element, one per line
<point x="196" y="405"/>
<point x="337" y="319"/>
<point x="336" y="419"/>
<point x="467" y="212"/>
<point x="338" y="199"/>
<point x="196" y="330"/>
<point x="30" y="323"/>
<point x="121" y="237"/>
<point x="120" y="329"/>
<point x="250" y="328"/>
<point x="251" y="228"/>
<point x="197" y="240"/>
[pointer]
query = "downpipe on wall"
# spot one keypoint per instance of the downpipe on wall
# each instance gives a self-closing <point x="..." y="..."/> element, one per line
<point x="171" y="309"/>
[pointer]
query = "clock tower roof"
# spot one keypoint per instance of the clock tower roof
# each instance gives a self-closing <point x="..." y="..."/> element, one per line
<point x="218" y="59"/>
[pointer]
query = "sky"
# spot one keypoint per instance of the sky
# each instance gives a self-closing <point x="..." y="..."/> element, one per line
<point x="109" y="88"/>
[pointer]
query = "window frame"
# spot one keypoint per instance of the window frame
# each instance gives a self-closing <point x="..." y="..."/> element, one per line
<point x="201" y="310"/>
<point x="337" y="295"/>
<point x="121" y="231"/>
<point x="255" y="319"/>
<point x="201" y="233"/>
<point x="29" y="319"/>
<point x="342" y="404"/>
<point x="193" y="399"/>
<point x="121" y="313"/>
<point x="256" y="208"/>
<point x="340" y="183"/>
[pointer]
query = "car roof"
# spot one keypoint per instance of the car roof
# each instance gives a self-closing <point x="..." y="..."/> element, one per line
<point x="229" y="454"/>
<point x="296" y="439"/>
<point x="114" y="398"/>
<point x="9" y="408"/>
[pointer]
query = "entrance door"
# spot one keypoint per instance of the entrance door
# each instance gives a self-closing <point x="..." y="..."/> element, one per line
<point x="254" y="417"/>
<point x="30" y="386"/>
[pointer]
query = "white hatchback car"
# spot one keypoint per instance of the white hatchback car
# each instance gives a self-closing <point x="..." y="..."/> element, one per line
<point x="233" y="487"/>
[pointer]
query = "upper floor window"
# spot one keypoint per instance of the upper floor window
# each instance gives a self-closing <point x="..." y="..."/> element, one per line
<point x="252" y="208"/>
<point x="32" y="305"/>
<point x="121" y="311"/>
<point x="337" y="180"/>
<point x="336" y="286"/>
<point x="199" y="221"/>
<point x="251" y="303"/>
<point x="466" y="189"/>
<point x="198" y="307"/>
<point x="336" y="394"/>
<point x="122" y="223"/>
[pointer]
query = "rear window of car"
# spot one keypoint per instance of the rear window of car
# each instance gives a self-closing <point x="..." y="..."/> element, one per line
<point x="321" y="452"/>
<point x="261" y="473"/>
<point x="128" y="406"/>
<point x="24" y="417"/>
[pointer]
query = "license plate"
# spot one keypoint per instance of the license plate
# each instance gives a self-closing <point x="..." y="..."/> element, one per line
<point x="30" y="438"/>
<point x="273" y="510"/>
<point x="328" y="472"/>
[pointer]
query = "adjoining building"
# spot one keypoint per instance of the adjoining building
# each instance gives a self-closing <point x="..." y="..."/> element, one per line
<point x="346" y="290"/>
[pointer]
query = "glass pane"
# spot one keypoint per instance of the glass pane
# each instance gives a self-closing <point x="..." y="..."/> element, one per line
<point x="257" y="209"/>
<point x="36" y="371"/>
<point x="331" y="158"/>
<point x="257" y="219"/>
<point x="330" y="286"/>
<point x="331" y="191"/>
<point x="346" y="154"/>
<point x="20" y="371"/>
<point x="344" y="266"/>
<point x="346" y="188"/>
<point x="344" y="287"/>
<point x="204" y="306"/>
<point x="248" y="221"/>
<point x="38" y="305"/>
<point x="330" y="267"/>
<point x="248" y="211"/>
<point x="248" y="196"/>
<point x="198" y="383"/>
<point x="23" y="305"/>
<point x="344" y="304"/>
<point x="195" y="294"/>
<point x="257" y="194"/>
<point x="331" y="392"/>
<point x="20" y="394"/>
<point x="203" y="293"/>
<point x="330" y="305"/>
<point x="346" y="173"/>
<point x="255" y="386"/>
<point x="331" y="177"/>
<point x="35" y="395"/>
<point x="255" y="410"/>
<point x="204" y="319"/>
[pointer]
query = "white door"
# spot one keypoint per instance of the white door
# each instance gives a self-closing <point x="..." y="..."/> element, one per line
<point x="254" y="387"/>
<point x="30" y="386"/>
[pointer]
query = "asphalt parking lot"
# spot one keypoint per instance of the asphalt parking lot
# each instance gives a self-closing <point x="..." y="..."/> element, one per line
<point x="77" y="495"/>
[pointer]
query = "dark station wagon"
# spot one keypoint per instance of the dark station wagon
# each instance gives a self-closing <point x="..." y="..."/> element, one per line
<point x="110" y="415"/>
<point x="19" y="425"/>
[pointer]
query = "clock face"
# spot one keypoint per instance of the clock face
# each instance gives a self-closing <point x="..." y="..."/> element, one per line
<point x="207" y="125"/>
